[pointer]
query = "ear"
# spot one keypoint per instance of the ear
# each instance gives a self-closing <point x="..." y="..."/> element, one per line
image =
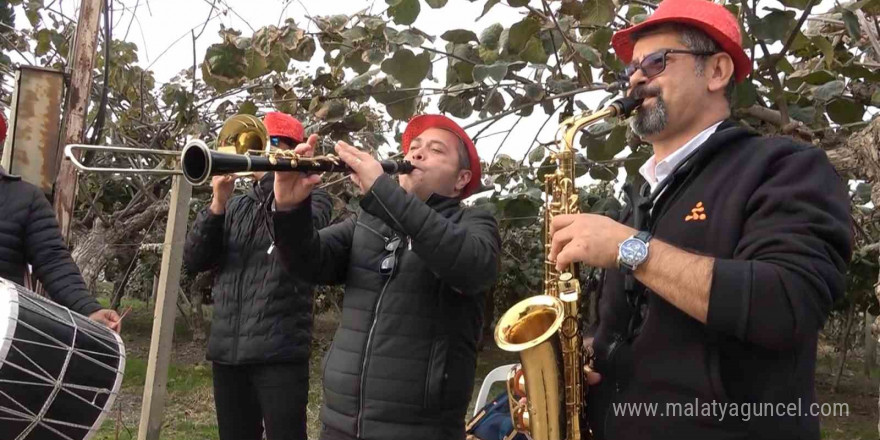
<point x="464" y="177"/>
<point x="719" y="71"/>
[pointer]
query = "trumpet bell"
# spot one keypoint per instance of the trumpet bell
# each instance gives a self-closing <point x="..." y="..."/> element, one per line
<point x="241" y="134"/>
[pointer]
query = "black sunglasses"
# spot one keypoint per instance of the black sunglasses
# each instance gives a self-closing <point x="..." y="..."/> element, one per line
<point x="654" y="63"/>
<point x="387" y="264"/>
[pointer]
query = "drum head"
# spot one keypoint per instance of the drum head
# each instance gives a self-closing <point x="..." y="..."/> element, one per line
<point x="8" y="315"/>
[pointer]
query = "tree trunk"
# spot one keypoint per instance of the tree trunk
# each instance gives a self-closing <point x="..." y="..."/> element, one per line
<point x="845" y="346"/>
<point x="94" y="252"/>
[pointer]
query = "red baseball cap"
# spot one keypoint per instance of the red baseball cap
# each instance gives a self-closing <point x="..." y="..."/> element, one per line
<point x="2" y="128"/>
<point x="711" y="18"/>
<point x="283" y="125"/>
<point x="421" y="123"/>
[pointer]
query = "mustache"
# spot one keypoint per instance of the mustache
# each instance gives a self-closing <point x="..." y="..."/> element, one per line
<point x="645" y="92"/>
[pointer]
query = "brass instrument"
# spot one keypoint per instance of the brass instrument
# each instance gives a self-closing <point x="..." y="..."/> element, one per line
<point x="242" y="147"/>
<point x="544" y="328"/>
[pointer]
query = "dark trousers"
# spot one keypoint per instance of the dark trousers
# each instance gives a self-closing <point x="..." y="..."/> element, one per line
<point x="249" y="397"/>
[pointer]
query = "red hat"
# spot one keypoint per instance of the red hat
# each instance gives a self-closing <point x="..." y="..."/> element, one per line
<point x="711" y="18"/>
<point x="421" y="123"/>
<point x="2" y="128"/>
<point x="283" y="125"/>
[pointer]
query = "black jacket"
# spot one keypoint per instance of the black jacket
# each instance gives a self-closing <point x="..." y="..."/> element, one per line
<point x="29" y="234"/>
<point x="261" y="313"/>
<point x="778" y="223"/>
<point x="402" y="362"/>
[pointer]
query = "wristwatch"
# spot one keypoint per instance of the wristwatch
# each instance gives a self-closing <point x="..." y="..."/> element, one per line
<point x="633" y="251"/>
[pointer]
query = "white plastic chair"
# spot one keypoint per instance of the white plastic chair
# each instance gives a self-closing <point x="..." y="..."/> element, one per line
<point x="499" y="374"/>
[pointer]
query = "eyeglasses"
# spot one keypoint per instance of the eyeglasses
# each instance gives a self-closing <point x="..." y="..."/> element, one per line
<point x="387" y="264"/>
<point x="654" y="63"/>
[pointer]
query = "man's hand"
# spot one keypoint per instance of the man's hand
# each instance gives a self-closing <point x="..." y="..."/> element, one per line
<point x="365" y="169"/>
<point x="291" y="187"/>
<point x="587" y="238"/>
<point x="223" y="187"/>
<point x="109" y="318"/>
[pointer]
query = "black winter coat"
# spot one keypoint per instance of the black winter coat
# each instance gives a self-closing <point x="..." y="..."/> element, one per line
<point x="261" y="313"/>
<point x="29" y="234"/>
<point x="402" y="362"/>
<point x="777" y="222"/>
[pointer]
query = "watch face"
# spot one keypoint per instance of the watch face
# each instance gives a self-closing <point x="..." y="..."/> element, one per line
<point x="633" y="251"/>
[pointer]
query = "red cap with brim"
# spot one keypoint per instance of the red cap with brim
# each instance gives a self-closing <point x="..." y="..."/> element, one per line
<point x="2" y="129"/>
<point x="713" y="19"/>
<point x="421" y="123"/>
<point x="283" y="125"/>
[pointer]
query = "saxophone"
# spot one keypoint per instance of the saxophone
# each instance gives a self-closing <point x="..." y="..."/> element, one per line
<point x="546" y="390"/>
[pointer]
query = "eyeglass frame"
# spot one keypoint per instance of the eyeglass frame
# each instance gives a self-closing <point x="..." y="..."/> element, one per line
<point x="631" y="68"/>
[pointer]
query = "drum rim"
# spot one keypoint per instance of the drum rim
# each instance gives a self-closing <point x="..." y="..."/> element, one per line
<point x="117" y="387"/>
<point x="6" y="343"/>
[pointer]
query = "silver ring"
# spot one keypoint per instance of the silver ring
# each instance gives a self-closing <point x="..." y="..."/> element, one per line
<point x="358" y="160"/>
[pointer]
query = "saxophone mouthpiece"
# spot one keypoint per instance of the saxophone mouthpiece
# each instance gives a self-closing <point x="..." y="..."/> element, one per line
<point x="626" y="105"/>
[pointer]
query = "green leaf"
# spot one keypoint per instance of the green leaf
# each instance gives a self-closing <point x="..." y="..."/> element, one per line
<point x="589" y="54"/>
<point x="406" y="36"/>
<point x="806" y="115"/>
<point x="598" y="12"/>
<point x="521" y="211"/>
<point x="799" y="4"/>
<point x="825" y="46"/>
<point x="517" y="3"/>
<point x="536" y="155"/>
<point x="356" y="34"/>
<point x="248" y="108"/>
<point x="829" y="90"/>
<point x="521" y="33"/>
<point x="534" y="52"/>
<point x="407" y="68"/>
<point x="875" y="98"/>
<point x="851" y="22"/>
<point x="436" y="4"/>
<point x="487" y="6"/>
<point x="600" y="39"/>
<point x="455" y="105"/>
<point x="494" y="103"/>
<point x="44" y="42"/>
<point x="489" y="37"/>
<point x="223" y="67"/>
<point x="459" y="36"/>
<point x="845" y="111"/>
<point x="361" y="81"/>
<point x="405" y="12"/>
<point x="331" y="111"/>
<point x="774" y="26"/>
<point x="814" y="77"/>
<point x="496" y="71"/>
<point x="744" y="94"/>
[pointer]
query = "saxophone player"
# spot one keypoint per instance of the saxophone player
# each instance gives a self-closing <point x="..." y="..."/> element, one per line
<point x="724" y="265"/>
<point x="416" y="266"/>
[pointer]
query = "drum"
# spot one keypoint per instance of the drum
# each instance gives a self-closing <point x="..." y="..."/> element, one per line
<point x="59" y="371"/>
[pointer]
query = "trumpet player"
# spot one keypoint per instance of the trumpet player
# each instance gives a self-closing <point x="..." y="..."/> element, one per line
<point x="724" y="265"/>
<point x="261" y="328"/>
<point x="416" y="266"/>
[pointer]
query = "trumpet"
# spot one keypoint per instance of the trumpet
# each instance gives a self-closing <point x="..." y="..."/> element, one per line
<point x="241" y="149"/>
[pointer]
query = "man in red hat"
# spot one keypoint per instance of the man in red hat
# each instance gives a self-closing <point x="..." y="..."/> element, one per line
<point x="724" y="265"/>
<point x="416" y="266"/>
<point x="261" y="331"/>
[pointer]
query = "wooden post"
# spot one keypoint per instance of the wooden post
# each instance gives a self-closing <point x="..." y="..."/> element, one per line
<point x="164" y="312"/>
<point x="84" y="53"/>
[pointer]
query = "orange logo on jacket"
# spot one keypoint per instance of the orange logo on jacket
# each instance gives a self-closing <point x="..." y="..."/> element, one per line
<point x="697" y="213"/>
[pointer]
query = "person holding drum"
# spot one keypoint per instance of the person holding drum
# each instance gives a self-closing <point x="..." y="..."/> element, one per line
<point x="29" y="234"/>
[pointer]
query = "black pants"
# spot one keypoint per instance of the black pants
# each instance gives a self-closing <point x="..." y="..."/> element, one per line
<point x="248" y="397"/>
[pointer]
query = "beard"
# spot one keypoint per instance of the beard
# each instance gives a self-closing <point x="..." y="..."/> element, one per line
<point x="649" y="120"/>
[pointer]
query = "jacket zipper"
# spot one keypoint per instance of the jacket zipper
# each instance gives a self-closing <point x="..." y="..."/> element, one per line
<point x="360" y="417"/>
